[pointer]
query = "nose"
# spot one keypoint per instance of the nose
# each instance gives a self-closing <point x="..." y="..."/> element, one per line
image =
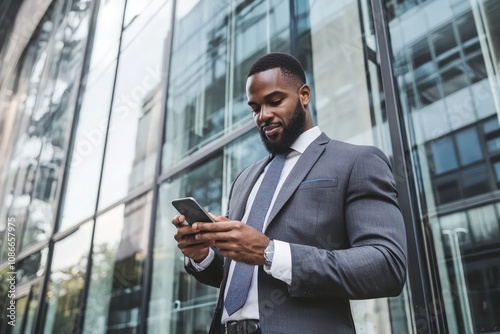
<point x="265" y="114"/>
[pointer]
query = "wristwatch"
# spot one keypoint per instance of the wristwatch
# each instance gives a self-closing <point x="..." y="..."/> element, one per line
<point x="269" y="254"/>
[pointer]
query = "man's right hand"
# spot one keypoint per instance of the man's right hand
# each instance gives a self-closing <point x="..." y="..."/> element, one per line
<point x="186" y="240"/>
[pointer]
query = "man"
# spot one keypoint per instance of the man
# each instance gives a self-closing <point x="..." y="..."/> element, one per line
<point x="289" y="258"/>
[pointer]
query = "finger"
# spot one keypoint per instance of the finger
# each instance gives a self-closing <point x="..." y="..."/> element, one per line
<point x="218" y="218"/>
<point x="186" y="230"/>
<point x="179" y="220"/>
<point x="189" y="241"/>
<point x="214" y="236"/>
<point x="222" y="226"/>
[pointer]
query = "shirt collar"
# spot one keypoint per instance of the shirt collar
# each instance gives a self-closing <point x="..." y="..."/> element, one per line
<point x="305" y="139"/>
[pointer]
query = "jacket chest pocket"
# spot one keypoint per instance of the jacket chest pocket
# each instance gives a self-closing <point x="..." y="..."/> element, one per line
<point x="318" y="183"/>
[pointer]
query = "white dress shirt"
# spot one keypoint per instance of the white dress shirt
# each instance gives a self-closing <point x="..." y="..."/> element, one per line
<point x="281" y="267"/>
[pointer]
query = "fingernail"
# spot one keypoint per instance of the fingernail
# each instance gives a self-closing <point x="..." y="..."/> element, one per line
<point x="194" y="226"/>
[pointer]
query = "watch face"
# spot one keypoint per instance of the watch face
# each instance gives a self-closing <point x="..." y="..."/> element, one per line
<point x="269" y="254"/>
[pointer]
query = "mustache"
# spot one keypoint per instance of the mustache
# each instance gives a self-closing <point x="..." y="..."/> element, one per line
<point x="266" y="124"/>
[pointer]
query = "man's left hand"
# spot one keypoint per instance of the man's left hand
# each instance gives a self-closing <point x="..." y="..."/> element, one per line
<point x="235" y="240"/>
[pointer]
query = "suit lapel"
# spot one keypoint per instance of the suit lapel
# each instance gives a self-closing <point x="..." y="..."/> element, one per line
<point x="298" y="173"/>
<point x="250" y="177"/>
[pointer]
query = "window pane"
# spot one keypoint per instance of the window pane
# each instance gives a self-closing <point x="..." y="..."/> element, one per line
<point x="475" y="181"/>
<point x="20" y="314"/>
<point x="138" y="14"/>
<point x="240" y="154"/>
<point x="493" y="145"/>
<point x="420" y="53"/>
<point x="131" y="146"/>
<point x="52" y="114"/>
<point x="443" y="154"/>
<point x="444" y="39"/>
<point x="468" y="145"/>
<point x="120" y="246"/>
<point x="21" y="168"/>
<point x="454" y="79"/>
<point x="428" y="91"/>
<point x="215" y="45"/>
<point x="66" y="281"/>
<point x="31" y="267"/>
<point x="491" y="125"/>
<point x="467" y="27"/>
<point x="32" y="308"/>
<point x="447" y="189"/>
<point x="484" y="224"/>
<point x="496" y="167"/>
<point x="179" y="304"/>
<point x="104" y="47"/>
<point x="4" y="291"/>
<point x="86" y="158"/>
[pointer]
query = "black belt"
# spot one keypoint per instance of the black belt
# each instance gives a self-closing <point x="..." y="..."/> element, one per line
<point x="242" y="327"/>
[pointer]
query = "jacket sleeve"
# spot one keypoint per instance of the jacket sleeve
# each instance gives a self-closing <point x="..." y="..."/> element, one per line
<point x="213" y="274"/>
<point x="375" y="263"/>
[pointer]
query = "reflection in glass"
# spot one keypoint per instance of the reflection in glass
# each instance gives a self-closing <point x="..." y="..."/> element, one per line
<point x="215" y="45"/>
<point x="22" y="166"/>
<point x="133" y="134"/>
<point x="350" y="107"/>
<point x="20" y="314"/>
<point x="4" y="290"/>
<point x="468" y="145"/>
<point x="50" y="119"/>
<point x="138" y="14"/>
<point x="32" y="308"/>
<point x="66" y="281"/>
<point x="475" y="180"/>
<point x="108" y="27"/>
<point x="119" y="250"/>
<point x="31" y="267"/>
<point x="84" y="168"/>
<point x="179" y="304"/>
<point x="456" y="153"/>
<point x="444" y="155"/>
<point x="238" y="155"/>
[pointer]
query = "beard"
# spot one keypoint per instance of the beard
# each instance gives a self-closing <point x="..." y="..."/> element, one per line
<point x="291" y="132"/>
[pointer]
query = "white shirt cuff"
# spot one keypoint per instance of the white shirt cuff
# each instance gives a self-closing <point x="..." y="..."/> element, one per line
<point x="203" y="264"/>
<point x="281" y="268"/>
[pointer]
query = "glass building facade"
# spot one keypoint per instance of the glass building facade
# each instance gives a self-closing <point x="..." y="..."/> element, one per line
<point x="109" y="109"/>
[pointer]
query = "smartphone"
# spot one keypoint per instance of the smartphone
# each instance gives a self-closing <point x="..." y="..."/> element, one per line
<point x="191" y="210"/>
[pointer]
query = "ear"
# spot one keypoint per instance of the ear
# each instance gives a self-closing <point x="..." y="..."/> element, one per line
<point x="305" y="95"/>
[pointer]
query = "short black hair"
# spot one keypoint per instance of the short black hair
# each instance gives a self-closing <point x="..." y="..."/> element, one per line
<point x="289" y="66"/>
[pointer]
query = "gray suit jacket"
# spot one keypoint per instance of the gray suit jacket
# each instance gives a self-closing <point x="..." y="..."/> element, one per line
<point x="338" y="210"/>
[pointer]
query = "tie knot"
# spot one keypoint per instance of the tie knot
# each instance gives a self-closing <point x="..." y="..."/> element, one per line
<point x="284" y="154"/>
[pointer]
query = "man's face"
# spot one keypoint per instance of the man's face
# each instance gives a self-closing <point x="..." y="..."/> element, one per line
<point x="277" y="109"/>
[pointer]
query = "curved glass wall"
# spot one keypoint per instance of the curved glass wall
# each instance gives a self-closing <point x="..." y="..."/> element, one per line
<point x="36" y="161"/>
